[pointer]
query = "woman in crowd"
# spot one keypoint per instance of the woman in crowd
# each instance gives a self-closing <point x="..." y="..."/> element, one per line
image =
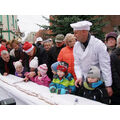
<point x="115" y="68"/>
<point x="66" y="53"/>
<point x="17" y="52"/>
<point x="47" y="45"/>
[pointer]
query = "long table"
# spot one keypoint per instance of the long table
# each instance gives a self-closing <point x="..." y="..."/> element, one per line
<point x="30" y="93"/>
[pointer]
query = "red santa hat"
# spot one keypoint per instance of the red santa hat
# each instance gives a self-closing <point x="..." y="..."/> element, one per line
<point x="27" y="47"/>
<point x="2" y="47"/>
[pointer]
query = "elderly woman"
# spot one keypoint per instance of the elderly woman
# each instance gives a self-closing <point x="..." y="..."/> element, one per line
<point x="66" y="53"/>
<point x="47" y="44"/>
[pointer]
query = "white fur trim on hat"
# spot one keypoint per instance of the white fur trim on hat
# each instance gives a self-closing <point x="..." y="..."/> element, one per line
<point x="29" y="49"/>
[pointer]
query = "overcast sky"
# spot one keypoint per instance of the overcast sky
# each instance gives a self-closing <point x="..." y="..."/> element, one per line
<point x="27" y="23"/>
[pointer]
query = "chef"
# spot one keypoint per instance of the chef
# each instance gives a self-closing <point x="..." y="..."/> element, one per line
<point x="90" y="51"/>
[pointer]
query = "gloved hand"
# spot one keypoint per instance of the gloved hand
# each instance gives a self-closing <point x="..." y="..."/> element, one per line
<point x="53" y="89"/>
<point x="62" y="91"/>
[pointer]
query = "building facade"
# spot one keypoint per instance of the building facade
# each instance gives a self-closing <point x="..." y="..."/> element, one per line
<point x="10" y="27"/>
<point x="30" y="37"/>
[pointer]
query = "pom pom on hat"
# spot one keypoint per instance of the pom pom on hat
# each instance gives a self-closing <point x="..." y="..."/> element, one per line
<point x="2" y="47"/>
<point x="43" y="69"/>
<point x="82" y="25"/>
<point x="34" y="63"/>
<point x="27" y="47"/>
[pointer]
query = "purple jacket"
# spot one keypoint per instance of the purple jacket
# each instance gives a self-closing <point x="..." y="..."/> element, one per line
<point x="44" y="80"/>
<point x="17" y="74"/>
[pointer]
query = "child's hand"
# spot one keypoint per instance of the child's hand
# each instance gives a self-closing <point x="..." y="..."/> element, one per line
<point x="32" y="74"/>
<point x="62" y="91"/>
<point x="52" y="89"/>
<point x="5" y="74"/>
<point x="25" y="79"/>
<point x="20" y="74"/>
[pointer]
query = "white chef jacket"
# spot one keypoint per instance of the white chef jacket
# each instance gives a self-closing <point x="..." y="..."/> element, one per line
<point x="95" y="54"/>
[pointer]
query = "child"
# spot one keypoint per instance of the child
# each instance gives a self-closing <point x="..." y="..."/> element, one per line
<point x="19" y="68"/>
<point x="54" y="68"/>
<point x="94" y="88"/>
<point x="33" y="67"/>
<point x="42" y="78"/>
<point x="63" y="82"/>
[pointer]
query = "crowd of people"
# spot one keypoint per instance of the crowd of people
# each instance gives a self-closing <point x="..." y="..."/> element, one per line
<point x="78" y="63"/>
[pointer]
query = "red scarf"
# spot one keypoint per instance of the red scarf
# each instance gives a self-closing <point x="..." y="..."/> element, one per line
<point x="6" y="67"/>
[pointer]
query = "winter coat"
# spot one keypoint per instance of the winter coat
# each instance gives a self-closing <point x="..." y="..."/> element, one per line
<point x="115" y="67"/>
<point x="9" y="65"/>
<point x="98" y="94"/>
<point x="44" y="80"/>
<point x="64" y="86"/>
<point x="42" y="58"/>
<point x="52" y="58"/>
<point x="95" y="54"/>
<point x="66" y="55"/>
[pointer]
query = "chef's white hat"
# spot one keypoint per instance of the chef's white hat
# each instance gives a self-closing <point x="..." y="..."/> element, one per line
<point x="82" y="25"/>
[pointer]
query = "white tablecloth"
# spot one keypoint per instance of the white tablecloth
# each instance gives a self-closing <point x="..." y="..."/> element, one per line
<point x="29" y="93"/>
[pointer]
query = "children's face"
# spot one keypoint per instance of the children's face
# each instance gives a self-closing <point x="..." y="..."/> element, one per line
<point x="92" y="80"/>
<point x="54" y="72"/>
<point x="19" y="68"/>
<point x="60" y="73"/>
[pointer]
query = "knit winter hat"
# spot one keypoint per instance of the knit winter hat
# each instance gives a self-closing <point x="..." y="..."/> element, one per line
<point x="63" y="66"/>
<point x="43" y="69"/>
<point x="34" y="63"/>
<point x="94" y="72"/>
<point x="111" y="34"/>
<point x="27" y="47"/>
<point x="18" y="63"/>
<point x="54" y="66"/>
<point x="2" y="47"/>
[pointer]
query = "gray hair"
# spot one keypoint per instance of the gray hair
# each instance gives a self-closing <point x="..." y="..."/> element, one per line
<point x="4" y="52"/>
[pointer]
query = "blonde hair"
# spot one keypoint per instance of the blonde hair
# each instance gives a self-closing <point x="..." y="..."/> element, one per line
<point x="118" y="40"/>
<point x="68" y="36"/>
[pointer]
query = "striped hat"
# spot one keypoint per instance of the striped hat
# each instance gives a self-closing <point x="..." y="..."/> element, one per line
<point x="43" y="69"/>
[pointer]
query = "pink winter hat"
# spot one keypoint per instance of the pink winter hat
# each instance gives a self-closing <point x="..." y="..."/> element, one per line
<point x="43" y="69"/>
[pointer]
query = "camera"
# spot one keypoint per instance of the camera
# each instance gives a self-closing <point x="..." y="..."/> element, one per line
<point x="8" y="101"/>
